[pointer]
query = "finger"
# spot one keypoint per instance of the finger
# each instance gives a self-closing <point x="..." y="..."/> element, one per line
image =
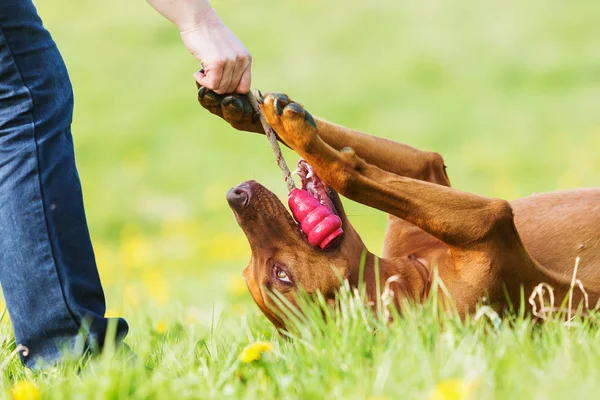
<point x="245" y="81"/>
<point x="236" y="72"/>
<point x="199" y="73"/>
<point x="226" y="78"/>
<point x="243" y="60"/>
<point x="198" y="76"/>
<point x="211" y="78"/>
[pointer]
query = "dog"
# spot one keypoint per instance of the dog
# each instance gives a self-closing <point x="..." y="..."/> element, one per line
<point x="483" y="248"/>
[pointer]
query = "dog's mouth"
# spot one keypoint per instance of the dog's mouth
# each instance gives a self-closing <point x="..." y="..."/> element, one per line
<point x="314" y="185"/>
<point x="257" y="208"/>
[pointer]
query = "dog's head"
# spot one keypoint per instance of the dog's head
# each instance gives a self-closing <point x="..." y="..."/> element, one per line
<point x="283" y="260"/>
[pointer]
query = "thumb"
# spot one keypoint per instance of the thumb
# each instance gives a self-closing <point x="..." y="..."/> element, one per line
<point x="199" y="75"/>
<point x="210" y="79"/>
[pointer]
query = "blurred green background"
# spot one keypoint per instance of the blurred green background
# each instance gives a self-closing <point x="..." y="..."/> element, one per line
<point x="508" y="92"/>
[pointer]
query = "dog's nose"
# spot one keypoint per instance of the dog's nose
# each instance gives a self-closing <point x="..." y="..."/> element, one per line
<point x="239" y="196"/>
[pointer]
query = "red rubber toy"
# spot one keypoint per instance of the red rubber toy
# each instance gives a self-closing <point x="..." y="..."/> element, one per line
<point x="318" y="222"/>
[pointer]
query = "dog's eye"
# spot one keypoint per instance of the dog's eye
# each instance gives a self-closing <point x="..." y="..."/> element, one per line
<point x="282" y="275"/>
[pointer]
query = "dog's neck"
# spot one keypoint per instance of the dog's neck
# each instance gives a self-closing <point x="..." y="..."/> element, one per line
<point x="403" y="276"/>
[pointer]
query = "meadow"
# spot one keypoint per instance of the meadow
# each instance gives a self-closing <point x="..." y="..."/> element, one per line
<point x="507" y="91"/>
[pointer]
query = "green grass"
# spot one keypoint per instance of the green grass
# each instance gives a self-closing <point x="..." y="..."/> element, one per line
<point x="506" y="91"/>
<point x="348" y="353"/>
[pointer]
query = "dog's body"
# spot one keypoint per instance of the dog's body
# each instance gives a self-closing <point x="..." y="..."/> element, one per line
<point x="554" y="228"/>
<point x="482" y="248"/>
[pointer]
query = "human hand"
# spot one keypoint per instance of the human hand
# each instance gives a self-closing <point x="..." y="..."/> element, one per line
<point x="226" y="63"/>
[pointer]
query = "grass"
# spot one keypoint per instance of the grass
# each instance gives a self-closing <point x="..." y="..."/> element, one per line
<point x="350" y="353"/>
<point x="507" y="92"/>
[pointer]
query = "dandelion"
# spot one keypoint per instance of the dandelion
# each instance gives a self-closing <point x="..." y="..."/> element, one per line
<point x="161" y="327"/>
<point x="253" y="351"/>
<point x="452" y="389"/>
<point x="25" y="390"/>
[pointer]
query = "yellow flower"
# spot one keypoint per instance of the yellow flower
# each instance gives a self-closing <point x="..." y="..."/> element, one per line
<point x="161" y="327"/>
<point x="25" y="390"/>
<point x="452" y="389"/>
<point x="253" y="351"/>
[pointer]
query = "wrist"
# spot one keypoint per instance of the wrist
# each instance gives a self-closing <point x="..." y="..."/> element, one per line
<point x="201" y="21"/>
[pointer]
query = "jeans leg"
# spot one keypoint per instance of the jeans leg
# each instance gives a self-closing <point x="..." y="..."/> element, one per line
<point x="47" y="267"/>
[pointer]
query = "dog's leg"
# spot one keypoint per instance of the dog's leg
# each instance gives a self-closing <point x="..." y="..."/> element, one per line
<point x="486" y="250"/>
<point x="388" y="155"/>
<point x="457" y="218"/>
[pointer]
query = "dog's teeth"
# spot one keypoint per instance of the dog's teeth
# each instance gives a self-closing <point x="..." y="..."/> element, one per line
<point x="296" y="171"/>
<point x="309" y="174"/>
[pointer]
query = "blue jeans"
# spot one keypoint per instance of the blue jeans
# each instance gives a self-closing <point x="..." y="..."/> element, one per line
<point x="47" y="268"/>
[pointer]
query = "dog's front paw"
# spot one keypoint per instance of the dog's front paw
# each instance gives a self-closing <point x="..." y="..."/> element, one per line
<point x="233" y="108"/>
<point x="294" y="125"/>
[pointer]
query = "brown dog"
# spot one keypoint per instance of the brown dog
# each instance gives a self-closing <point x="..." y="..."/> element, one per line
<point x="482" y="247"/>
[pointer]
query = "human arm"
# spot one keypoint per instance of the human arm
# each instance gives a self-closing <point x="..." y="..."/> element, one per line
<point x="226" y="63"/>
